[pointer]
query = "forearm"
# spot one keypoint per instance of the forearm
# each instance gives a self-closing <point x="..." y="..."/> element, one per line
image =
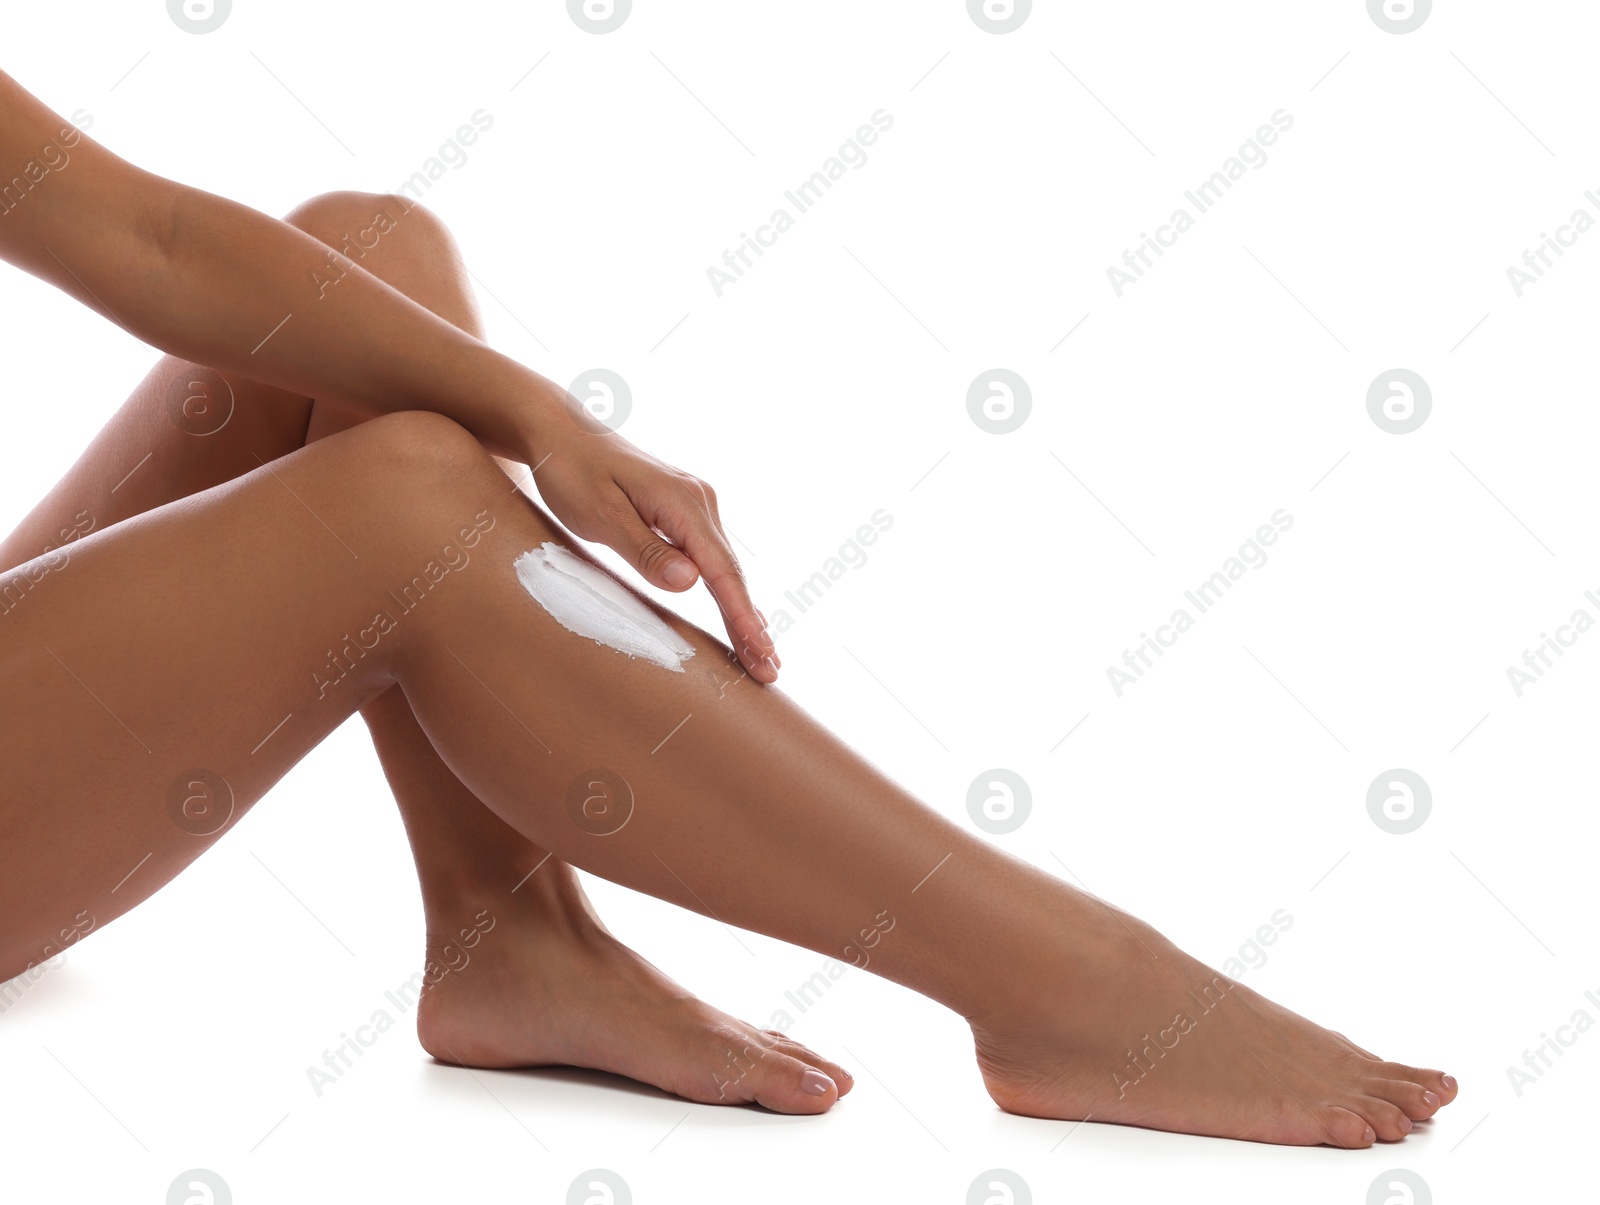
<point x="239" y="291"/>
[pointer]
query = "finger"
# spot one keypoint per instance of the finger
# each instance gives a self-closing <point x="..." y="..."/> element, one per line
<point x="727" y="541"/>
<point x="747" y="628"/>
<point x="693" y="531"/>
<point x="657" y="561"/>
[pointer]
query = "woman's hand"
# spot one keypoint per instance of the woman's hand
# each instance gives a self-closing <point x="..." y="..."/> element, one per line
<point x="214" y="282"/>
<point x="609" y="492"/>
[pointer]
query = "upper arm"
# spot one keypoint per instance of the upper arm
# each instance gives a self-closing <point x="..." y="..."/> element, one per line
<point x="66" y="201"/>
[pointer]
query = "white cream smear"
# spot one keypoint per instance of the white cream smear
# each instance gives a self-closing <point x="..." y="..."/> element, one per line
<point x="589" y="602"/>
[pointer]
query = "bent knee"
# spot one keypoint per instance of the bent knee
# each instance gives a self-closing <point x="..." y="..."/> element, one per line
<point x="409" y="457"/>
<point x="411" y="470"/>
<point x="406" y="246"/>
<point x="363" y="224"/>
<point x="420" y="445"/>
<point x="416" y="474"/>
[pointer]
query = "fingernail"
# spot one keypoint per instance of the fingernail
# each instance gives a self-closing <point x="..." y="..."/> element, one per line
<point x="1429" y="1099"/>
<point x="679" y="573"/>
<point x="815" y="1082"/>
<point x="1449" y="1081"/>
<point x="772" y="665"/>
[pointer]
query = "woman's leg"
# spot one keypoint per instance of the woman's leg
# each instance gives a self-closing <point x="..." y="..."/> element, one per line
<point x="546" y="984"/>
<point x="553" y="987"/>
<point x="316" y="581"/>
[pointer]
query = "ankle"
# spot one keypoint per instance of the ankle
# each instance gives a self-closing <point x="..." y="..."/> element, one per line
<point x="1092" y="944"/>
<point x="453" y="940"/>
<point x="546" y="901"/>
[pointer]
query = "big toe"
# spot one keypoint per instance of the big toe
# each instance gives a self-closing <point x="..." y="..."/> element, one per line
<point x="841" y="1078"/>
<point x="1441" y="1085"/>
<point x="785" y="1084"/>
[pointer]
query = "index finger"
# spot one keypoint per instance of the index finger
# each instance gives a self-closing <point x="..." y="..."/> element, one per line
<point x="701" y="539"/>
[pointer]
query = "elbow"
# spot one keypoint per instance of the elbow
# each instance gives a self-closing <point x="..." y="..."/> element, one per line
<point x="167" y="232"/>
<point x="160" y="219"/>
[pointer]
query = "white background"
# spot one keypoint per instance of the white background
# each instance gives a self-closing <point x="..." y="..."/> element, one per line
<point x="1230" y="382"/>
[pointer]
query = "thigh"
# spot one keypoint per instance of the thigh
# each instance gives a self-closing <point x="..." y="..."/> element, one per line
<point x="183" y="429"/>
<point x="158" y="676"/>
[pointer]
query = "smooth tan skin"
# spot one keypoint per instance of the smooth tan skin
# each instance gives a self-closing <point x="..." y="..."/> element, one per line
<point x="581" y="998"/>
<point x="116" y="683"/>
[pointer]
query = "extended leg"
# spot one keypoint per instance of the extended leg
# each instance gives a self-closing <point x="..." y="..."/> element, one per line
<point x="737" y="804"/>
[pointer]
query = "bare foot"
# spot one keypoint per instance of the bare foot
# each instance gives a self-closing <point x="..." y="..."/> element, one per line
<point x="1138" y="1032"/>
<point x="550" y="987"/>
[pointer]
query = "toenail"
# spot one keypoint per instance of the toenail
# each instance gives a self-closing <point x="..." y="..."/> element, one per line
<point x="815" y="1082"/>
<point x="1367" y="1135"/>
<point x="1405" y="1124"/>
<point x="1449" y="1082"/>
<point x="1429" y="1099"/>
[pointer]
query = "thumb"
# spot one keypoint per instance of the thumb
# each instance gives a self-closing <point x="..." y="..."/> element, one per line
<point x="657" y="561"/>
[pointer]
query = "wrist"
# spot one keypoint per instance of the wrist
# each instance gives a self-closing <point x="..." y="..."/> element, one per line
<point x="524" y="411"/>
